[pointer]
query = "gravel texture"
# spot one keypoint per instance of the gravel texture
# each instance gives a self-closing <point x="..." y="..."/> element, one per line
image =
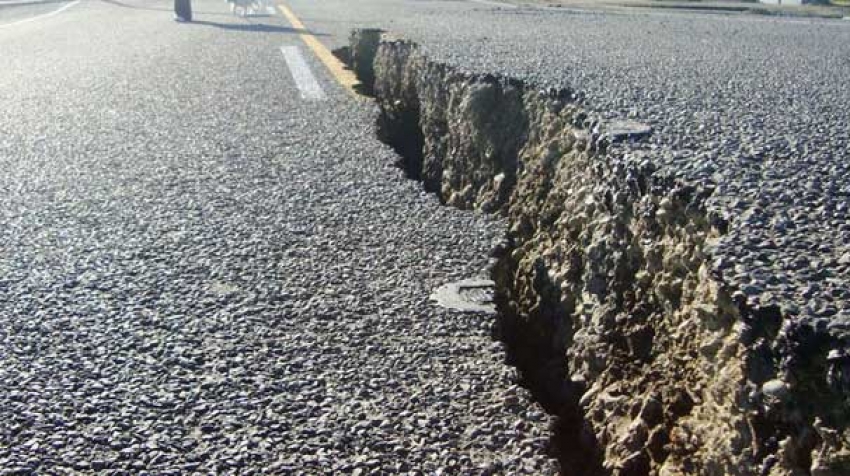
<point x="201" y="273"/>
<point x="754" y="108"/>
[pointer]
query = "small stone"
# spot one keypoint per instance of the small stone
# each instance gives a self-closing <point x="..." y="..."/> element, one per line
<point x="776" y="389"/>
<point x="208" y="428"/>
<point x="652" y="411"/>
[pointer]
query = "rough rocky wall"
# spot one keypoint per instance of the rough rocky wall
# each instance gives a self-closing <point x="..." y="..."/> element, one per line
<point x="360" y="55"/>
<point x="608" y="299"/>
<point x="610" y="268"/>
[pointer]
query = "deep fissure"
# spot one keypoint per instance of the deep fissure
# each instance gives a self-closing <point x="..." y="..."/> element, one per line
<point x="401" y="132"/>
<point x="541" y="369"/>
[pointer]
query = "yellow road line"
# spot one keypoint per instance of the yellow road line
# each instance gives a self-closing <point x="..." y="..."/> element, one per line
<point x="337" y="69"/>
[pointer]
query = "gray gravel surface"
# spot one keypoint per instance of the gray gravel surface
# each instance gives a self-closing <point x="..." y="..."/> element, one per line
<point x="756" y="108"/>
<point x="202" y="273"/>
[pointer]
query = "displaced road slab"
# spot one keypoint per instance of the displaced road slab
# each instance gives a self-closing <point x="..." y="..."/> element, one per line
<point x="764" y="133"/>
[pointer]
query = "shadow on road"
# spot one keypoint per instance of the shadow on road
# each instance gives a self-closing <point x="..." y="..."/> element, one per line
<point x="255" y="27"/>
<point x="155" y="9"/>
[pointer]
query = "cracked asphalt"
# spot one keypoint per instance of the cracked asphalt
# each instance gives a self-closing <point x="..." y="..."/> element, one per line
<point x="751" y="107"/>
<point x="201" y="272"/>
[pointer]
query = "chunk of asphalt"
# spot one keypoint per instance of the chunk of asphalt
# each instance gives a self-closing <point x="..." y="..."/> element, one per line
<point x="626" y="130"/>
<point x="469" y="295"/>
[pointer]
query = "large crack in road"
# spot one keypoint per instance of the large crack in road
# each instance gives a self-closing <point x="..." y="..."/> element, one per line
<point x="609" y="303"/>
<point x="201" y="272"/>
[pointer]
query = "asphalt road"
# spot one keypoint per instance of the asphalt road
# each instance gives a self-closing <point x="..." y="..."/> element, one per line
<point x="203" y="271"/>
<point x="752" y="107"/>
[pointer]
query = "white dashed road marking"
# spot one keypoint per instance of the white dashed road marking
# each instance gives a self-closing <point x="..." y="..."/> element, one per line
<point x="39" y="17"/>
<point x="301" y="73"/>
<point x="508" y="6"/>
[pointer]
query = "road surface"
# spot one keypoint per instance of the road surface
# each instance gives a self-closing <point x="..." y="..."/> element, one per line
<point x="208" y="263"/>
